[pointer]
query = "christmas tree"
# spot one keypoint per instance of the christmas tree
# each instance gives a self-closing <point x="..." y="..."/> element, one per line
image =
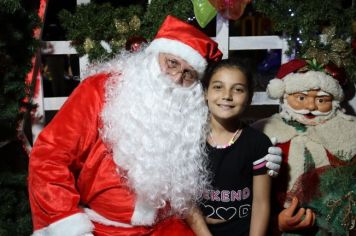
<point x="18" y="19"/>
<point x="315" y="29"/>
<point x="124" y="24"/>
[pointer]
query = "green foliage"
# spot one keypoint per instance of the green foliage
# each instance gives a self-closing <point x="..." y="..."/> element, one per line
<point x="302" y="22"/>
<point x="314" y="65"/>
<point x="10" y="6"/>
<point x="15" y="217"/>
<point x="92" y="23"/>
<point x="305" y="19"/>
<point x="18" y="19"/>
<point x="16" y="49"/>
<point x="159" y="9"/>
<point x="115" y="25"/>
<point x="336" y="207"/>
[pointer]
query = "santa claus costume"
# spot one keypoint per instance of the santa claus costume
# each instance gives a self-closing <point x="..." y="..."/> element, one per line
<point x="311" y="141"/>
<point x="124" y="155"/>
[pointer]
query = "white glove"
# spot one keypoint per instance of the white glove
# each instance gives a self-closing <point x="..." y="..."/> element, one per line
<point x="274" y="159"/>
<point x="88" y="234"/>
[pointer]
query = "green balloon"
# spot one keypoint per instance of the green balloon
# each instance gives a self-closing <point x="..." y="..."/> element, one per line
<point x="204" y="12"/>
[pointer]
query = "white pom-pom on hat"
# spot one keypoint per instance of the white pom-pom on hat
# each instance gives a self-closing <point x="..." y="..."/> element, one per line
<point x="276" y="88"/>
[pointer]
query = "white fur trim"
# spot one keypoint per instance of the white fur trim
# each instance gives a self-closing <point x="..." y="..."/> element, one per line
<point x="298" y="82"/>
<point x="96" y="217"/>
<point x="296" y="158"/>
<point x="189" y="54"/>
<point x="275" y="127"/>
<point x="276" y="88"/>
<point x="338" y="135"/>
<point x="143" y="214"/>
<point x="74" y="225"/>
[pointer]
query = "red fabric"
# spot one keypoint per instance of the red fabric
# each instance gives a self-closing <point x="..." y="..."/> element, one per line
<point x="190" y="36"/>
<point x="306" y="186"/>
<point x="337" y="73"/>
<point x="280" y="184"/>
<point x="56" y="161"/>
<point x="70" y="166"/>
<point x="289" y="67"/>
<point x="335" y="161"/>
<point x="171" y="226"/>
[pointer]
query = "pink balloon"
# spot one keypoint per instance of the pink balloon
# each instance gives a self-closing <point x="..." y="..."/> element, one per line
<point x="230" y="9"/>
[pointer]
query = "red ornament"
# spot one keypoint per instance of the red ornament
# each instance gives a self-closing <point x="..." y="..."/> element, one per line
<point x="353" y="44"/>
<point x="230" y="9"/>
<point x="337" y="73"/>
<point x="134" y="43"/>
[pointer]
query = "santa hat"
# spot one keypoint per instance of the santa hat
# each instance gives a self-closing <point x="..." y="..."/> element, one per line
<point x="184" y="40"/>
<point x="290" y="79"/>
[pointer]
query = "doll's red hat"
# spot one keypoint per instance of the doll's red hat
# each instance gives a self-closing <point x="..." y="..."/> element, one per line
<point x="184" y="40"/>
<point x="292" y="78"/>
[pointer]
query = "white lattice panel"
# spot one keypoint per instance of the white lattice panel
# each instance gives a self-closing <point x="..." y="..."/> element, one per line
<point x="226" y="43"/>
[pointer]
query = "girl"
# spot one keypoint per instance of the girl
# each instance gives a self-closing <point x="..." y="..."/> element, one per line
<point x="238" y="201"/>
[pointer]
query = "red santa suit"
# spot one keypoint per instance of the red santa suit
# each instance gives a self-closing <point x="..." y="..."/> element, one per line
<point x="77" y="174"/>
<point x="75" y="186"/>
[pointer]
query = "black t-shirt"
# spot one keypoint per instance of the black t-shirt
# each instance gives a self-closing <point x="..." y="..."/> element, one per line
<point x="233" y="169"/>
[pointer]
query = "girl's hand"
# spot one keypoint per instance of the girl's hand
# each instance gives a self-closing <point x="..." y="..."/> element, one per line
<point x="196" y="221"/>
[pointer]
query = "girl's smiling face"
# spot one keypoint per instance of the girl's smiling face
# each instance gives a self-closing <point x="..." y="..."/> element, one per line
<point x="227" y="94"/>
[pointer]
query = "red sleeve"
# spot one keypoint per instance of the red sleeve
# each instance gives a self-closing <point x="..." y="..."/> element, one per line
<point x="60" y="151"/>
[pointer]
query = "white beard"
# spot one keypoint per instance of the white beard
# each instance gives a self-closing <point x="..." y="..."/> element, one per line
<point x="157" y="132"/>
<point x="288" y="113"/>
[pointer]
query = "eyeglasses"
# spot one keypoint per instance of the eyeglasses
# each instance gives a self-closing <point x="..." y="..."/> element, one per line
<point x="174" y="67"/>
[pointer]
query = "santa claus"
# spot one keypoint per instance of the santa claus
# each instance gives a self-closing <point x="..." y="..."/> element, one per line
<point x="125" y="154"/>
<point x="314" y="134"/>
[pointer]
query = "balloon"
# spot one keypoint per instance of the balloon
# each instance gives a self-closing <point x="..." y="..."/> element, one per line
<point x="204" y="12"/>
<point x="230" y="9"/>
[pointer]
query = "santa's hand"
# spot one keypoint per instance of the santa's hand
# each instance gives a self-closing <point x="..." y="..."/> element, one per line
<point x="288" y="221"/>
<point x="274" y="159"/>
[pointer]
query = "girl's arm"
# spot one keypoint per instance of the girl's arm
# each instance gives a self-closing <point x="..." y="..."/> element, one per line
<point x="195" y="220"/>
<point x="260" y="205"/>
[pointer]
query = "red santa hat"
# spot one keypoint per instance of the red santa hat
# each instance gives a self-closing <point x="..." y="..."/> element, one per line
<point x="294" y="76"/>
<point x="184" y="40"/>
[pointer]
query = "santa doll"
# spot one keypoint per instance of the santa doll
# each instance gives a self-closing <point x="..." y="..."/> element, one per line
<point x="317" y="139"/>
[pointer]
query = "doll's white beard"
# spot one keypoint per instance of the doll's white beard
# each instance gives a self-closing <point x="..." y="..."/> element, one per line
<point x="289" y="113"/>
<point x="157" y="132"/>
